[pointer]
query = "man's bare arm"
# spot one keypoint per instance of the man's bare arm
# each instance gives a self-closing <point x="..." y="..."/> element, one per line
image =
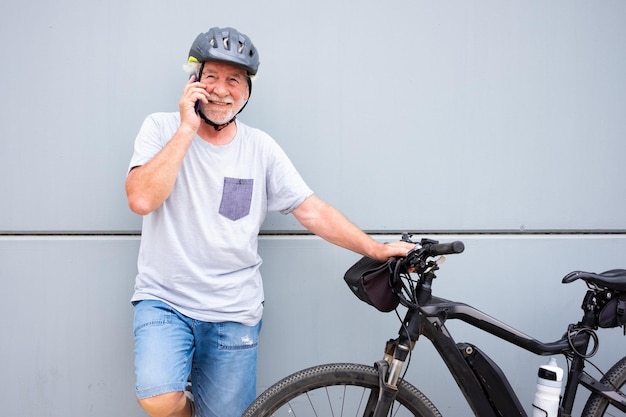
<point x="328" y="223"/>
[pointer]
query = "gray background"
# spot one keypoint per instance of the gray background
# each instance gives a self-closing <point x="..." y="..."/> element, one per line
<point x="499" y="123"/>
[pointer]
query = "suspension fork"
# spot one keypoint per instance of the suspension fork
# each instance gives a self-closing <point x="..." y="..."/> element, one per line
<point x="386" y="394"/>
<point x="389" y="371"/>
<point x="391" y="366"/>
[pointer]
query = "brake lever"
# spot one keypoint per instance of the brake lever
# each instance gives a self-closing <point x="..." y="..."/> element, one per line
<point x="434" y="264"/>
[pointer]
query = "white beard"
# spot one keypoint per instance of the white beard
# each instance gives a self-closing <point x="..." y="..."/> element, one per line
<point x="221" y="116"/>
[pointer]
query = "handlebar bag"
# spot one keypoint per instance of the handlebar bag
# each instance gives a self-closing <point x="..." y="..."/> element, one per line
<point x="370" y="281"/>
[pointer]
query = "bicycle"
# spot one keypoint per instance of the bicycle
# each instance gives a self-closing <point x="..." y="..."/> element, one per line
<point x="340" y="389"/>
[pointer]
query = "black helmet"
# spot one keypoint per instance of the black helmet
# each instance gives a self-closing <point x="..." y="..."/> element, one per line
<point x="225" y="45"/>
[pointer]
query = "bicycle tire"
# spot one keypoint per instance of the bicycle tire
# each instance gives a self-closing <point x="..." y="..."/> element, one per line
<point x="337" y="390"/>
<point x="596" y="405"/>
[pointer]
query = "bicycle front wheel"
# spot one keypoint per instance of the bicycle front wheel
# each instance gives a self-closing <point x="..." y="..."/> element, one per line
<point x="337" y="390"/>
<point x="598" y="406"/>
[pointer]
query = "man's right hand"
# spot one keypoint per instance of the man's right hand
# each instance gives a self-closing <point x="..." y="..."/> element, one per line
<point x="194" y="91"/>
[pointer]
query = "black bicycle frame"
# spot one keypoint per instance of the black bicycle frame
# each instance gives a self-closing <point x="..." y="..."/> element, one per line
<point x="481" y="381"/>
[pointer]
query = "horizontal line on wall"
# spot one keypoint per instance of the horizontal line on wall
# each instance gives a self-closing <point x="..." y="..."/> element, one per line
<point x="69" y="233"/>
<point x="305" y="233"/>
<point x="467" y="232"/>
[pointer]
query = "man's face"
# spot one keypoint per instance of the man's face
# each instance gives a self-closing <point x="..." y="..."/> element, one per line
<point x="227" y="86"/>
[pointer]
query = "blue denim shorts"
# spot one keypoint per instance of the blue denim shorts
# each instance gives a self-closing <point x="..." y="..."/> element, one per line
<point x="220" y="357"/>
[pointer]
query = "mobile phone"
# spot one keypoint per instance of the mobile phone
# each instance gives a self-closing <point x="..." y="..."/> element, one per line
<point x="197" y="105"/>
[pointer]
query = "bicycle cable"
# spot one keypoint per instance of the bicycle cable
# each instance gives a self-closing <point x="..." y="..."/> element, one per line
<point x="571" y="336"/>
<point x="408" y="359"/>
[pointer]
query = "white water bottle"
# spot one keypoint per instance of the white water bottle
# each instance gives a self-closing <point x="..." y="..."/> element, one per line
<point x="548" y="392"/>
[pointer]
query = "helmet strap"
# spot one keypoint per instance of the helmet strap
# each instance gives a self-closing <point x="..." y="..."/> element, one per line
<point x="215" y="126"/>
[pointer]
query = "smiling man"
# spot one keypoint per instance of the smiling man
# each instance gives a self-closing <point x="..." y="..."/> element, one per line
<point x="204" y="182"/>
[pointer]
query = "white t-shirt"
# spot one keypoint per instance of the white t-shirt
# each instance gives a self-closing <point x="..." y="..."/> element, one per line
<point x="198" y="251"/>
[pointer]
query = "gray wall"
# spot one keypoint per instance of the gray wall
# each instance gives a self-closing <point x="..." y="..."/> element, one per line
<point x="498" y="123"/>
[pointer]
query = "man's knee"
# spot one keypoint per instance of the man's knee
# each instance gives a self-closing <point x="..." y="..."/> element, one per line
<point x="164" y="405"/>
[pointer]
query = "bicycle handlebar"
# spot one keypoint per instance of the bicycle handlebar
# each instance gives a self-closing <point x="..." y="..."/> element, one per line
<point x="427" y="248"/>
<point x="437" y="249"/>
<point x="419" y="260"/>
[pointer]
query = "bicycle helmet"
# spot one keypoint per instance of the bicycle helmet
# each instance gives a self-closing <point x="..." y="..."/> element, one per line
<point x="225" y="45"/>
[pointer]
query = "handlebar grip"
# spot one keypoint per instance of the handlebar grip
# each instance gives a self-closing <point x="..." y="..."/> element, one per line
<point x="437" y="249"/>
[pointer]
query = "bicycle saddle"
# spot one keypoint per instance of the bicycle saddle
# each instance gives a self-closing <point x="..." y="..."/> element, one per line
<point x="615" y="279"/>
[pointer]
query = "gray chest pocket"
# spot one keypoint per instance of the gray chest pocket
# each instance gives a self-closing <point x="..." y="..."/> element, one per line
<point x="236" y="198"/>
